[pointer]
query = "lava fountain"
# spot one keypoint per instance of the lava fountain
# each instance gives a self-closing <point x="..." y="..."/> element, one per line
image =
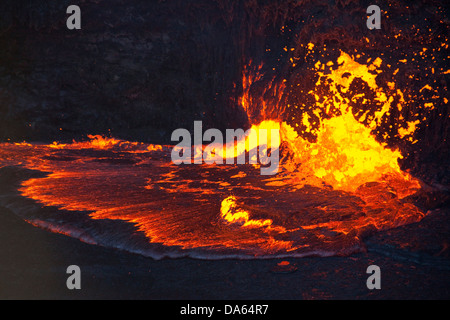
<point x="337" y="182"/>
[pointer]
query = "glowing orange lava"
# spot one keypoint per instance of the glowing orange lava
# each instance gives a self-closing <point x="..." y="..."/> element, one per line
<point x="328" y="192"/>
<point x="345" y="154"/>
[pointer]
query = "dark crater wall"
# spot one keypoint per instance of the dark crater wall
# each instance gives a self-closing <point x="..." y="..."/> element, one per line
<point x="137" y="70"/>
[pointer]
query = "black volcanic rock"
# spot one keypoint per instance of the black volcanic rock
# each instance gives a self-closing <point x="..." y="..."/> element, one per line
<point x="138" y="70"/>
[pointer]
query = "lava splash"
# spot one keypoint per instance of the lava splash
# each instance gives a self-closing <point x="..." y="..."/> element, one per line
<point x="330" y="192"/>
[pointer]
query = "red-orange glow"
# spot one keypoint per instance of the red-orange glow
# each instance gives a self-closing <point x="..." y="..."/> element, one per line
<point x="329" y="191"/>
<point x="346" y="154"/>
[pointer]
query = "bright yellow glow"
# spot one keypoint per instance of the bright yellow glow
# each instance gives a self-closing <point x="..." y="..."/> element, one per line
<point x="232" y="214"/>
<point x="345" y="154"/>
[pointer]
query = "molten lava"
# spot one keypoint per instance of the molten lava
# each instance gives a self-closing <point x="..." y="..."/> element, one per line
<point x="346" y="153"/>
<point x="330" y="191"/>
